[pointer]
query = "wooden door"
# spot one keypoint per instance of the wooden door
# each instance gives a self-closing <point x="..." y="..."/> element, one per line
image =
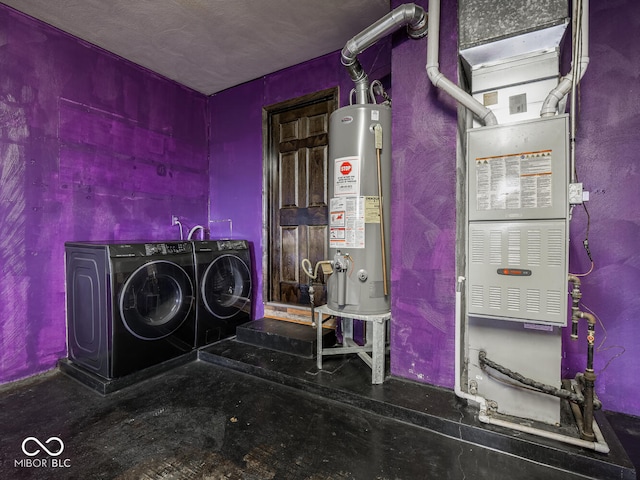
<point x="297" y="191"/>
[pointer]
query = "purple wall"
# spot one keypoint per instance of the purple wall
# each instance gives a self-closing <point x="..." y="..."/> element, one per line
<point x="94" y="148"/>
<point x="424" y="208"/>
<point x="608" y="164"/>
<point x="236" y="140"/>
<point x="91" y="148"/>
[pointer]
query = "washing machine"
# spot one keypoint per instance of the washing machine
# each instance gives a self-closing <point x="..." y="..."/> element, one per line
<point x="223" y="271"/>
<point x="129" y="306"/>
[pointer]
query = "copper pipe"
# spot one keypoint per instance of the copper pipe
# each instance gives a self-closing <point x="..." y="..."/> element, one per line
<point x="381" y="213"/>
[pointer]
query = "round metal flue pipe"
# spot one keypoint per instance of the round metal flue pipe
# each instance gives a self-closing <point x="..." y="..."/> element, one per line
<point x="408" y="14"/>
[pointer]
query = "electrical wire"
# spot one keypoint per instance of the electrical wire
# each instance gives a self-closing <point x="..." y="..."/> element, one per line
<point x="586" y="273"/>
<point x="181" y="231"/>
<point x="586" y="237"/>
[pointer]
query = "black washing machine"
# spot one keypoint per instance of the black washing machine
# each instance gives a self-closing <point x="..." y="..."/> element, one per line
<point x="129" y="306"/>
<point x="223" y="270"/>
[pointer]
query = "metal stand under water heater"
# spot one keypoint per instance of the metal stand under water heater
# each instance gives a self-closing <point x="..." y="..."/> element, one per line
<point x="358" y="287"/>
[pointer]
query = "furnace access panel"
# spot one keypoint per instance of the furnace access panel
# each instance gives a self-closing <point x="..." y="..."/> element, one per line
<point x="519" y="170"/>
<point x="518" y="221"/>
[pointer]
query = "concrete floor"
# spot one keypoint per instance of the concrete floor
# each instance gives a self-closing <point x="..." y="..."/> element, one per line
<point x="240" y="412"/>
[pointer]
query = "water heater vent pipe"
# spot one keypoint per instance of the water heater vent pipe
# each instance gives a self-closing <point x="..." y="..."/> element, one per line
<point x="409" y="14"/>
<point x="484" y="114"/>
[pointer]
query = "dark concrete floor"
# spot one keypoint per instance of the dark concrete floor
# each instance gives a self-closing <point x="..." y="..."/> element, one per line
<point x="212" y="420"/>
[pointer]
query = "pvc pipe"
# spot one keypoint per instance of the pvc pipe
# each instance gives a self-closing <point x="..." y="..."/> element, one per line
<point x="599" y="446"/>
<point x="485" y="115"/>
<point x="550" y="104"/>
<point x="458" y="324"/>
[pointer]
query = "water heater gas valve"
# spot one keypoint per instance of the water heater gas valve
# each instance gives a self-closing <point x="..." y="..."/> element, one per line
<point x="341" y="261"/>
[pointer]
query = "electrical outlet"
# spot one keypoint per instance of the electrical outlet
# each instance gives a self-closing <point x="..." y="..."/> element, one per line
<point x="174" y="220"/>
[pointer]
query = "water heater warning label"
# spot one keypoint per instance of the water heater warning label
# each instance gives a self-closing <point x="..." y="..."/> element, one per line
<point x="346" y="222"/>
<point x="371" y="209"/>
<point x="346" y="176"/>
<point x="519" y="180"/>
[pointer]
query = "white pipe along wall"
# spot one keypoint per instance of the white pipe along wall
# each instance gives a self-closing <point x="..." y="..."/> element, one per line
<point x="486" y="116"/>
<point x="550" y="105"/>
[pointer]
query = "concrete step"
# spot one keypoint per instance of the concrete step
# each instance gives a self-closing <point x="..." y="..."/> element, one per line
<point x="293" y="338"/>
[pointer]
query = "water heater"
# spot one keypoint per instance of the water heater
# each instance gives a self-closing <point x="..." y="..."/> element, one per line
<point x="359" y="193"/>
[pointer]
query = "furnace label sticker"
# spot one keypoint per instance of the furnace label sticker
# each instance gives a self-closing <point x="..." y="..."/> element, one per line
<point x="346" y="222"/>
<point x="519" y="180"/>
<point x="346" y="176"/>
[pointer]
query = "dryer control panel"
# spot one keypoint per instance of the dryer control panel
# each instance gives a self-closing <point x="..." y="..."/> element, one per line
<point x="231" y="245"/>
<point x="149" y="249"/>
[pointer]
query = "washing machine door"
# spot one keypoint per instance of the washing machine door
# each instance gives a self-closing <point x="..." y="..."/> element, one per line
<point x="226" y="286"/>
<point x="156" y="299"/>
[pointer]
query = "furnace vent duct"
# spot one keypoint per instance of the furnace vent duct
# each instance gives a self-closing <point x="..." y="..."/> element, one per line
<point x="485" y="115"/>
<point x="409" y="14"/>
<point x="579" y="61"/>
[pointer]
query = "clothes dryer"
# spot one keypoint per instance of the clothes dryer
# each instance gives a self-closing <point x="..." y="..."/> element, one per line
<point x="223" y="271"/>
<point x="129" y="306"/>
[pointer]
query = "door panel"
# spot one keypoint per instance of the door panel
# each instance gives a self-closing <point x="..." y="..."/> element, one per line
<point x="297" y="195"/>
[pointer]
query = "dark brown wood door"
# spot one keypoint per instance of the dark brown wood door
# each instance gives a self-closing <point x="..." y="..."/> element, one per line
<point x="299" y="139"/>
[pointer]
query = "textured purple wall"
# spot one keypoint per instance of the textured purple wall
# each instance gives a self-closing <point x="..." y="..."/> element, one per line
<point x="607" y="163"/>
<point x="236" y="172"/>
<point x="423" y="209"/>
<point x="91" y="148"/>
<point x="94" y="148"/>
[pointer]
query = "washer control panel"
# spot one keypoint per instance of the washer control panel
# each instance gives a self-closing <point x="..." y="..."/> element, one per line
<point x="166" y="248"/>
<point x="150" y="249"/>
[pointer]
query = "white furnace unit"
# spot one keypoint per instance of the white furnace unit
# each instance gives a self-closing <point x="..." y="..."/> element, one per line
<point x="517" y="267"/>
<point x="518" y="221"/>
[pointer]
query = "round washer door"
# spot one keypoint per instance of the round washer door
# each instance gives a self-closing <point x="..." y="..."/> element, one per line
<point x="226" y="286"/>
<point x="156" y="300"/>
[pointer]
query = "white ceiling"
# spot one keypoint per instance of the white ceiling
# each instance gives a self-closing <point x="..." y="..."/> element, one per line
<point x="210" y="45"/>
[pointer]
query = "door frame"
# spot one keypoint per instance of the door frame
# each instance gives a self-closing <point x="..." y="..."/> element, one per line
<point x="269" y="160"/>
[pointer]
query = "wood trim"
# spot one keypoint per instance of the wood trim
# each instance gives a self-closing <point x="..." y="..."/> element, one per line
<point x="268" y="152"/>
<point x="294" y="314"/>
